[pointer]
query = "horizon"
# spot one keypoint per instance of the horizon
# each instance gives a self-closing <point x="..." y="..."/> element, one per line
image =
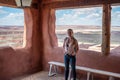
<point x="86" y="25"/>
<point x="56" y="25"/>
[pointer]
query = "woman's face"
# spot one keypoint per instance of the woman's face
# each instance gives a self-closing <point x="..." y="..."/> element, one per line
<point x="70" y="33"/>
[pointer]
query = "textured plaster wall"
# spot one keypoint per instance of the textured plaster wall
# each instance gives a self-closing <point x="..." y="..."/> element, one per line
<point x="40" y="47"/>
<point x="15" y="62"/>
<point x="85" y="58"/>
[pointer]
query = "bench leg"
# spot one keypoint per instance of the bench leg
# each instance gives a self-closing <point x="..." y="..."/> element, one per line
<point x="88" y="75"/>
<point x="55" y="69"/>
<point x="50" y="70"/>
<point x="92" y="76"/>
<point x="111" y="78"/>
<point x="70" y="72"/>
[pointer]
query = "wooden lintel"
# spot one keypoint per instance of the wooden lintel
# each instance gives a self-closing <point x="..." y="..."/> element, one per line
<point x="51" y="1"/>
<point x="10" y="3"/>
<point x="106" y="24"/>
<point x="76" y="3"/>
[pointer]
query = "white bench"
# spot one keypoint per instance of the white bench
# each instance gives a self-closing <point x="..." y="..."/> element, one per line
<point x="88" y="70"/>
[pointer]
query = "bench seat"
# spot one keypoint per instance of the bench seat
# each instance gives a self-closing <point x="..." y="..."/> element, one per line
<point x="86" y="69"/>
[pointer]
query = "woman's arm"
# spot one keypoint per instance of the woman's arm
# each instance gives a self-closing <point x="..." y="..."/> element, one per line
<point x="76" y="47"/>
<point x="64" y="42"/>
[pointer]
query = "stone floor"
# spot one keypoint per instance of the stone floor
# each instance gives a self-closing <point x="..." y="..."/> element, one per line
<point x="42" y="76"/>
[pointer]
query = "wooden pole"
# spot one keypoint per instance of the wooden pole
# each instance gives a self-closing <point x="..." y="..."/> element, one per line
<point x="106" y="24"/>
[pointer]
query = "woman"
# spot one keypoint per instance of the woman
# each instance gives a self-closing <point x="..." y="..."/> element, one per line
<point x="70" y="46"/>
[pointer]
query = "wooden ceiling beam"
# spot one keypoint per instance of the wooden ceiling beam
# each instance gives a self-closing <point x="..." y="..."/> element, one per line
<point x="10" y="3"/>
<point x="76" y="3"/>
<point x="51" y="1"/>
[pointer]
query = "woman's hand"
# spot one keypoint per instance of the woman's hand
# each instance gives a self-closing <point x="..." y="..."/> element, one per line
<point x="73" y="54"/>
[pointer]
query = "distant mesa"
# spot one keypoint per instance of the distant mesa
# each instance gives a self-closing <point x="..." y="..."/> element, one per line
<point x="11" y="27"/>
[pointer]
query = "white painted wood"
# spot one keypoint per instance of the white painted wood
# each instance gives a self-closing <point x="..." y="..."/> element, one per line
<point x="50" y="69"/>
<point x="55" y="68"/>
<point x="69" y="78"/>
<point x="99" y="71"/>
<point x="107" y="73"/>
<point x="88" y="75"/>
<point x="111" y="78"/>
<point x="92" y="76"/>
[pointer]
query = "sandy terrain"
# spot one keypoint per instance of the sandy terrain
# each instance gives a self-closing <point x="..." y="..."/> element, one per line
<point x="89" y="37"/>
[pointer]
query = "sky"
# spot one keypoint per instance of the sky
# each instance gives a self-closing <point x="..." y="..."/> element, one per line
<point x="86" y="16"/>
<point x="78" y="16"/>
<point x="11" y="16"/>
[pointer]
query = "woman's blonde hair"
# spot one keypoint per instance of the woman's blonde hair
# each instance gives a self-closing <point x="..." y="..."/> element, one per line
<point x="70" y="30"/>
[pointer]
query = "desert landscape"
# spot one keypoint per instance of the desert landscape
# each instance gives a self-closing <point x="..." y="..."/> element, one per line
<point x="11" y="36"/>
<point x="89" y="37"/>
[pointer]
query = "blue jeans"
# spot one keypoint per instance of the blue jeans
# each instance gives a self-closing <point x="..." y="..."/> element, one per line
<point x="72" y="60"/>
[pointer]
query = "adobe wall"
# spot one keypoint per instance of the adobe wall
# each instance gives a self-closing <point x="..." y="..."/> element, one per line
<point x="40" y="47"/>
<point x="85" y="58"/>
<point x="15" y="62"/>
